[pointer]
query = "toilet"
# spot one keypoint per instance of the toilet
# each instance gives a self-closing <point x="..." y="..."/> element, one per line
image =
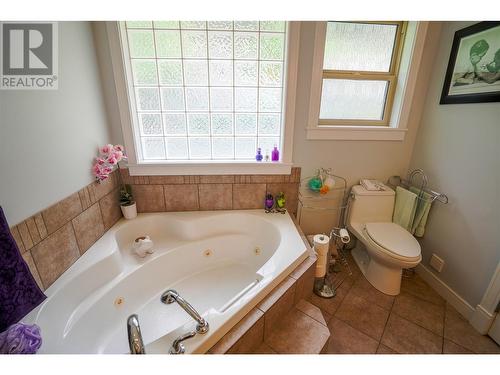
<point x="383" y="248"/>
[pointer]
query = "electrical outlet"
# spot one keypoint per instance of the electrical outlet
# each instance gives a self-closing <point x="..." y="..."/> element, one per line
<point x="437" y="263"/>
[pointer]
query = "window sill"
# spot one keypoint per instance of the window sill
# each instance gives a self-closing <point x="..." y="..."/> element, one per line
<point x="356" y="133"/>
<point x="208" y="168"/>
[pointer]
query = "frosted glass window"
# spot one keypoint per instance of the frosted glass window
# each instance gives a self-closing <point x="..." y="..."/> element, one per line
<point x="177" y="148"/>
<point x="206" y="90"/>
<point x="153" y="148"/>
<point x="359" y="46"/>
<point x="353" y="99"/>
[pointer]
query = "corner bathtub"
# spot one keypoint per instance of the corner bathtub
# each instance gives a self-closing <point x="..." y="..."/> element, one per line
<point x="223" y="263"/>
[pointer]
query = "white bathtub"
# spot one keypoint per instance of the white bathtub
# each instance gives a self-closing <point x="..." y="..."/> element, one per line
<point x="223" y="263"/>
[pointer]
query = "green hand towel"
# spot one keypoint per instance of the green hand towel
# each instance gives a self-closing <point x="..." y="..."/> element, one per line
<point x="423" y="208"/>
<point x="404" y="208"/>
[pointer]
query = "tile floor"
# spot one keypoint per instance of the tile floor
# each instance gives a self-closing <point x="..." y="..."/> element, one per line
<point x="363" y="320"/>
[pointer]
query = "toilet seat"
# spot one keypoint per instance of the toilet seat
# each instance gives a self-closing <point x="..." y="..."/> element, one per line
<point x="394" y="239"/>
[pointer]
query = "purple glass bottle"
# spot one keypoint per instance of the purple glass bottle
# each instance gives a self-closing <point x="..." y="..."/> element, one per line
<point x="259" y="156"/>
<point x="275" y="154"/>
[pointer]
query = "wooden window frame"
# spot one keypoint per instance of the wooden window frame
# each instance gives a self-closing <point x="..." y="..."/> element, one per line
<point x="390" y="76"/>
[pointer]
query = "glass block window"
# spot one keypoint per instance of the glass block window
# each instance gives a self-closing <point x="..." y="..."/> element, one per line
<point x="206" y="90"/>
<point x="360" y="66"/>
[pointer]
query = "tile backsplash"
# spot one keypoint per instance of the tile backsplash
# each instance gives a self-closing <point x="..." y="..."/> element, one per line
<point x="53" y="239"/>
<point x="228" y="192"/>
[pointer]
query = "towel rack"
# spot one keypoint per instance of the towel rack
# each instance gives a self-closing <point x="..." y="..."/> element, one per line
<point x="411" y="181"/>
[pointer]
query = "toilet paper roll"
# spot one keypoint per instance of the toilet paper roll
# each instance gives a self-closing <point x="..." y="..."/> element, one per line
<point x="321" y="243"/>
<point x="344" y="235"/>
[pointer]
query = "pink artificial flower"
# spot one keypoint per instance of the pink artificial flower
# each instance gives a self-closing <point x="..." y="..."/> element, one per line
<point x="112" y="160"/>
<point x="118" y="155"/>
<point x="100" y="161"/>
<point x="118" y="148"/>
<point x="106" y="149"/>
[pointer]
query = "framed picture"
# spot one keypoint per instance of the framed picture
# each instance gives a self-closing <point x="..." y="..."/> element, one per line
<point x="473" y="74"/>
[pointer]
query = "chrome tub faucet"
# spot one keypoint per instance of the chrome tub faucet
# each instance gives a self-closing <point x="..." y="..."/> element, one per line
<point x="134" y="335"/>
<point x="171" y="296"/>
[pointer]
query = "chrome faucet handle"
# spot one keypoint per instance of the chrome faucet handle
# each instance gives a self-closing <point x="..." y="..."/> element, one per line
<point x="177" y="346"/>
<point x="135" y="342"/>
<point x="171" y="296"/>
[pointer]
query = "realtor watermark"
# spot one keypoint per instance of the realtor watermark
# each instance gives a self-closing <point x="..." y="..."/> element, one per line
<point x="28" y="56"/>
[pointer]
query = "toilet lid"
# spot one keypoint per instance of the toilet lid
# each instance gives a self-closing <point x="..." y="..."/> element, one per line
<point x="394" y="238"/>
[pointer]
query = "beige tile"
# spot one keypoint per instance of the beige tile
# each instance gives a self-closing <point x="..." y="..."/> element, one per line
<point x="449" y="347"/>
<point x="55" y="254"/>
<point x="40" y="224"/>
<point x="60" y="213"/>
<point x="125" y="176"/>
<point x="275" y="294"/>
<point x="248" y="196"/>
<point x="251" y="340"/>
<point x="88" y="227"/>
<point x="423" y="313"/>
<point x="305" y="283"/>
<point x="213" y="179"/>
<point x="363" y="315"/>
<point x="382" y="349"/>
<point x="181" y="198"/>
<point x="278" y="310"/>
<point x="291" y="191"/>
<point x="149" y="198"/>
<point x="311" y="310"/>
<point x="216" y="196"/>
<point x="87" y="196"/>
<point x="331" y="305"/>
<point x="166" y="180"/>
<point x="458" y="330"/>
<point x="237" y="332"/>
<point x="406" y="337"/>
<point x="419" y="288"/>
<point x="270" y="178"/>
<point x="303" y="267"/>
<point x="105" y="187"/>
<point x="31" y="265"/>
<point x="25" y="235"/>
<point x="344" y="339"/>
<point x="192" y="179"/>
<point x="298" y="333"/>
<point x="33" y="230"/>
<point x="110" y="209"/>
<point x="264" y="349"/>
<point x="364" y="289"/>
<point x="17" y="237"/>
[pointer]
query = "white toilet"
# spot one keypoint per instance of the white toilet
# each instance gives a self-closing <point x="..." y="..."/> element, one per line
<point x="384" y="248"/>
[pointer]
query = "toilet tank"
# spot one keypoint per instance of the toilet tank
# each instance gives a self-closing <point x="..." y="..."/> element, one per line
<point x="371" y="206"/>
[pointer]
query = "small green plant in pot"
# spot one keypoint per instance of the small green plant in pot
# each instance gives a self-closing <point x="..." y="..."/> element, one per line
<point x="127" y="202"/>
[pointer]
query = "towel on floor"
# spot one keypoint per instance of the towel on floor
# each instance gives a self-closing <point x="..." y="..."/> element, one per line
<point x="423" y="208"/>
<point x="19" y="292"/>
<point x="404" y="208"/>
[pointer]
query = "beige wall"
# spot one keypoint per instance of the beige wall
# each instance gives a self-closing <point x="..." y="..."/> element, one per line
<point x="458" y="147"/>
<point x="355" y="159"/>
<point x="48" y="138"/>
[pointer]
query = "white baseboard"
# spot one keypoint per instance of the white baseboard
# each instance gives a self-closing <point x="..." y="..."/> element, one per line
<point x="452" y="297"/>
<point x="481" y="320"/>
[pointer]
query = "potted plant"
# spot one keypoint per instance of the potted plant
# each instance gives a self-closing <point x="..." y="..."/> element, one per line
<point x="104" y="165"/>
<point x="127" y="203"/>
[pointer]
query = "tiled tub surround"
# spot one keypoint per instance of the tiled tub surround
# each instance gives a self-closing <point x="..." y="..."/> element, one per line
<point x="206" y="193"/>
<point x="53" y="239"/>
<point x="283" y="322"/>
<point x="223" y="262"/>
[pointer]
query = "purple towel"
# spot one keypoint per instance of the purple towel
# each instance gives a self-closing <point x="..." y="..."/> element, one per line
<point x="19" y="292"/>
